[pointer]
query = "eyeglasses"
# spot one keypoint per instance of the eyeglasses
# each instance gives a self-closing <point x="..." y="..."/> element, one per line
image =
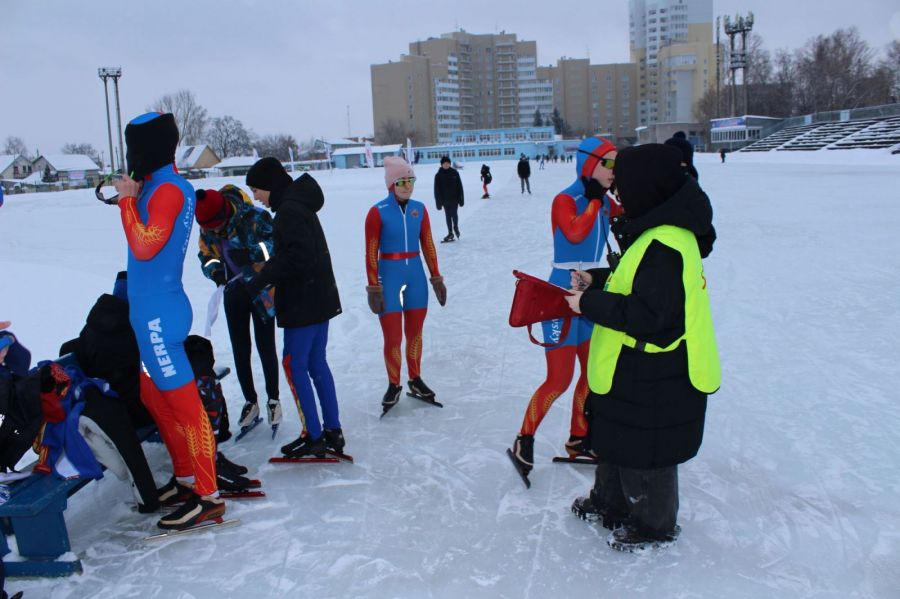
<point x="406" y="182"/>
<point x="608" y="163"/>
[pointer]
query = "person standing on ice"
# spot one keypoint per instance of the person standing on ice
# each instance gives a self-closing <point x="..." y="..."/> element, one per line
<point x="306" y="299"/>
<point x="448" y="195"/>
<point x="157" y="210"/>
<point x="579" y="218"/>
<point x="235" y="240"/>
<point x="486" y="179"/>
<point x="653" y="356"/>
<point x="396" y="227"/>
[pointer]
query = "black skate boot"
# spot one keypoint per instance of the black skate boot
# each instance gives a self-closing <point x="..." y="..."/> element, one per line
<point x="232" y="482"/>
<point x="579" y="447"/>
<point x="304" y="447"/>
<point x="223" y="464"/>
<point x="195" y="510"/>
<point x="447" y="238"/>
<point x="334" y="440"/>
<point x="390" y="399"/>
<point x="630" y="538"/>
<point x="418" y="387"/>
<point x="249" y="413"/>
<point x="591" y="509"/>
<point x="522" y="456"/>
<point x="174" y="493"/>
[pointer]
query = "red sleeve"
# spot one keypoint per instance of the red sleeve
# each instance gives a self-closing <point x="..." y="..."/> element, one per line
<point x="146" y="239"/>
<point x="373" y="239"/>
<point x="564" y="216"/>
<point x="427" y="242"/>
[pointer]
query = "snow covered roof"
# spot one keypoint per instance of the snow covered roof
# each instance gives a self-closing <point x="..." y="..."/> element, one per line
<point x="237" y="161"/>
<point x="6" y="160"/>
<point x="362" y="150"/>
<point x="187" y="156"/>
<point x="70" y="162"/>
<point x="340" y="141"/>
<point x="34" y="178"/>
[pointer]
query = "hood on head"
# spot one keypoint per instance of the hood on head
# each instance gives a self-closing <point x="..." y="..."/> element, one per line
<point x="590" y="151"/>
<point x="150" y="141"/>
<point x="305" y="190"/>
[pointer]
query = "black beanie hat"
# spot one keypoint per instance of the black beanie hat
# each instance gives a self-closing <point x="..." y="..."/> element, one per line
<point x="647" y="176"/>
<point x="687" y="150"/>
<point x="151" y="140"/>
<point x="268" y="174"/>
<point x="445" y="159"/>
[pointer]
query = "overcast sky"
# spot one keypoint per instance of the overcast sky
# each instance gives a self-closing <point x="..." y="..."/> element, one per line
<point x="295" y="67"/>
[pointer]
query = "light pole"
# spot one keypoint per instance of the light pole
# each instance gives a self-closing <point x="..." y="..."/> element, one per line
<point x="737" y="59"/>
<point x="113" y="73"/>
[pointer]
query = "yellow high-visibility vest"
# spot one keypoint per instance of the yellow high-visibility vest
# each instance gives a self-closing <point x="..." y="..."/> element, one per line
<point x="703" y="356"/>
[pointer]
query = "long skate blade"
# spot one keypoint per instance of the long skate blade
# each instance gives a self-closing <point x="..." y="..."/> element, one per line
<point x="429" y="400"/>
<point x="216" y="523"/>
<point x="305" y="460"/>
<point x="247" y="429"/>
<point x="241" y="494"/>
<point x="385" y="409"/>
<point x="344" y="457"/>
<point x="576" y="460"/>
<point x="518" y="468"/>
<point x="274" y="430"/>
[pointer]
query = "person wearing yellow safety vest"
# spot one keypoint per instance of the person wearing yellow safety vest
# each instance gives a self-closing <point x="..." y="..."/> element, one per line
<point x="653" y="357"/>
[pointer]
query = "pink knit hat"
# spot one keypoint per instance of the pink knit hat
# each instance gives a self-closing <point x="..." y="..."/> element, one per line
<point x="396" y="168"/>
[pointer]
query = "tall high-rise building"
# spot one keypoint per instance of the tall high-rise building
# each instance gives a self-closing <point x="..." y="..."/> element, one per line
<point x="468" y="81"/>
<point x="463" y="81"/>
<point x="672" y="44"/>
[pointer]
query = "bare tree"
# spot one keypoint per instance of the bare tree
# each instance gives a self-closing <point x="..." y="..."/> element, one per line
<point x="891" y="62"/>
<point x="705" y="108"/>
<point x="190" y="116"/>
<point x="15" y="146"/>
<point x="394" y="131"/>
<point x="279" y="146"/>
<point x="83" y="149"/>
<point x="228" y="137"/>
<point x="833" y="71"/>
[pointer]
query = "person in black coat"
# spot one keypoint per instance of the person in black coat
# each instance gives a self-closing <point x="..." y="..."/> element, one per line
<point x="306" y="298"/>
<point x="652" y="417"/>
<point x="524" y="171"/>
<point x="448" y="195"/>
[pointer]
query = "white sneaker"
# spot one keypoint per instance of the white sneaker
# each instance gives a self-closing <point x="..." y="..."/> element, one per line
<point x="274" y="409"/>
<point x="249" y="413"/>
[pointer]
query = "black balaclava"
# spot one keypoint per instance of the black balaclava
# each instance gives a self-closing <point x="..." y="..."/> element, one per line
<point x="647" y="176"/>
<point x="151" y="140"/>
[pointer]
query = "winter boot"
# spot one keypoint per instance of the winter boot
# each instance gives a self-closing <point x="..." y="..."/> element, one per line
<point x="590" y="509"/>
<point x="249" y="413"/>
<point x="195" y="510"/>
<point x="223" y="464"/>
<point x="334" y="440"/>
<point x="418" y="387"/>
<point x="579" y="447"/>
<point x="449" y="237"/>
<point x="173" y="493"/>
<point x="630" y="538"/>
<point x="305" y="447"/>
<point x="485" y="196"/>
<point x="523" y="452"/>
<point x="391" y="396"/>
<point x="273" y="409"/>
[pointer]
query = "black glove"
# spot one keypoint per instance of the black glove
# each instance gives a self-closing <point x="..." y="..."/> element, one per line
<point x="240" y="257"/>
<point x="218" y="277"/>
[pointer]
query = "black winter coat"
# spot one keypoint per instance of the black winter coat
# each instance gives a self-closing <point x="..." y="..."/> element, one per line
<point x="652" y="416"/>
<point x="106" y="348"/>
<point x="448" y="188"/>
<point x="300" y="267"/>
<point x="524" y="169"/>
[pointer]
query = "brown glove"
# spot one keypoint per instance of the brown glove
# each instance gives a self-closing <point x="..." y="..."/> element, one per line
<point x="376" y="298"/>
<point x="440" y="290"/>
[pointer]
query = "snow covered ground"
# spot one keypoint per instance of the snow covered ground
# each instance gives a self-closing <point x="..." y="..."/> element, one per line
<point x="795" y="492"/>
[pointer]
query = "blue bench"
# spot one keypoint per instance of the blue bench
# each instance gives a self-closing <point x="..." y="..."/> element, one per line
<point x="34" y="516"/>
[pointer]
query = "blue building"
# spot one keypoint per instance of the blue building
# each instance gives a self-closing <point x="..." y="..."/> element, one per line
<point x="477" y="145"/>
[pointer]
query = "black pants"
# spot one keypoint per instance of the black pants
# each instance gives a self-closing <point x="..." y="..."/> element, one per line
<point x="649" y="497"/>
<point x="238" y="312"/>
<point x="525" y="183"/>
<point x="450" y="213"/>
<point x="111" y="415"/>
